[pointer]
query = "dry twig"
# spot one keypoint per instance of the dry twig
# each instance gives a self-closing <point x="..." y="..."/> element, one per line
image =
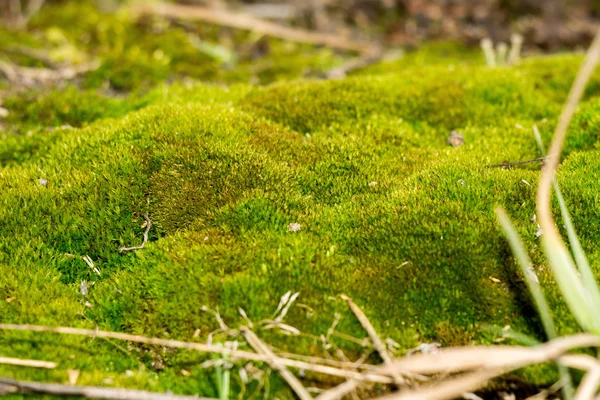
<point x="275" y="363"/>
<point x="27" y="363"/>
<point x="354" y="65"/>
<point x="28" y="77"/>
<point x="488" y="362"/>
<point x="224" y="17"/>
<point x="387" y="358"/>
<point x="207" y="348"/>
<point x="508" y="164"/>
<point x="141" y="246"/>
<point x="8" y="385"/>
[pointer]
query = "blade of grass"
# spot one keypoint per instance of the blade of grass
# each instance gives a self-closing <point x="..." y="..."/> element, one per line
<point x="588" y="278"/>
<point x="535" y="289"/>
<point x="581" y="304"/>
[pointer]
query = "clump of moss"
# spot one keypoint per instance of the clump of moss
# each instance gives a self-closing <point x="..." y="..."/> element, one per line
<point x="389" y="213"/>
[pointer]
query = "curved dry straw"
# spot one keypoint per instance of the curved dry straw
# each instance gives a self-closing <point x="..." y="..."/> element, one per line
<point x="581" y="296"/>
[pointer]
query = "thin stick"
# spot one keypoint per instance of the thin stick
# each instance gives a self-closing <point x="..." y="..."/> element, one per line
<point x="543" y="195"/>
<point x="378" y="345"/>
<point x="90" y="392"/>
<point x="141" y="246"/>
<point x="232" y="19"/>
<point x="27" y="363"/>
<point x="507" y="164"/>
<point x="354" y="65"/>
<point x="274" y="362"/>
<point x="339" y="391"/>
<point x="589" y="385"/>
<point x="207" y="348"/>
<point x="449" y="389"/>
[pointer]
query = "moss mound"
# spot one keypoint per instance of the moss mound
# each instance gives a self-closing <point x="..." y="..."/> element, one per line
<point x="389" y="214"/>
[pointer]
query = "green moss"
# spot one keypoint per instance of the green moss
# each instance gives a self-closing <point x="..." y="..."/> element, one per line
<point x="389" y="213"/>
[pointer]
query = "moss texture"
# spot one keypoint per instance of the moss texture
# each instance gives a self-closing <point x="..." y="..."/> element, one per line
<point x="390" y="214"/>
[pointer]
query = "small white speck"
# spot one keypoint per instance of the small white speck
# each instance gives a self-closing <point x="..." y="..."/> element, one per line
<point x="294" y="227"/>
<point x="83" y="288"/>
<point x="539" y="232"/>
<point x="43" y="182"/>
<point x="534" y="218"/>
<point x="372" y="184"/>
<point x="525" y="182"/>
<point x="462" y="182"/>
<point x="518" y="126"/>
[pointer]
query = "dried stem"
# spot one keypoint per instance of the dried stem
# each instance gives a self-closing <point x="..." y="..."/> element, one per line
<point x="8" y="385"/>
<point x="141" y="246"/>
<point x="275" y="363"/>
<point x="224" y="17"/>
<point x="27" y="363"/>
<point x="207" y="348"/>
<point x="387" y="358"/>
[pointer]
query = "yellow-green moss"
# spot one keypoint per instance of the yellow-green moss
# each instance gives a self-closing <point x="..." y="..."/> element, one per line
<point x="390" y="214"/>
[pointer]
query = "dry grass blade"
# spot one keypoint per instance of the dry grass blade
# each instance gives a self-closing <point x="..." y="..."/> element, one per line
<point x="449" y="389"/>
<point x="275" y="363"/>
<point x="27" y="363"/>
<point x="339" y="391"/>
<point x="580" y="303"/>
<point x="8" y="385"/>
<point x="462" y="359"/>
<point x="28" y="77"/>
<point x="377" y="343"/>
<point x="207" y="348"/>
<point x="224" y="17"/>
<point x="588" y="387"/>
<point x="145" y="240"/>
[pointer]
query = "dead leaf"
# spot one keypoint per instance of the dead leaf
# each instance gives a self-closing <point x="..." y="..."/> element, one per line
<point x="185" y="372"/>
<point x="10" y="299"/>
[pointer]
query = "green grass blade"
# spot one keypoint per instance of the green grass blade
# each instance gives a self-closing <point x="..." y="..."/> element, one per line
<point x="569" y="282"/>
<point x="583" y="265"/>
<point x="535" y="289"/>
<point x="526" y="265"/>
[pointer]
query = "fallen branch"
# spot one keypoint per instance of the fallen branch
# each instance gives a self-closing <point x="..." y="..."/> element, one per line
<point x="8" y="385"/>
<point x="206" y="348"/>
<point x="275" y="363"/>
<point x="141" y="246"/>
<point x="27" y="363"/>
<point x="237" y="20"/>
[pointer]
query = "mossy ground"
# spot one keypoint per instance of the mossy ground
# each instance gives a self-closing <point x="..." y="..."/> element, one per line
<point x="390" y="214"/>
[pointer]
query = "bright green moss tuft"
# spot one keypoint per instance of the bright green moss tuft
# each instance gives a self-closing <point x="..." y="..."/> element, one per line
<point x="389" y="213"/>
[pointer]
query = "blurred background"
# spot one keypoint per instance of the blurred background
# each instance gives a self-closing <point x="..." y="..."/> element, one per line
<point x="549" y="24"/>
<point x="121" y="46"/>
